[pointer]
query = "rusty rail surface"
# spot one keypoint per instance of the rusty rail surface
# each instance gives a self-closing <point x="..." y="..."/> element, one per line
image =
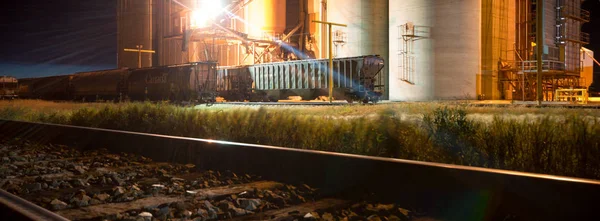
<point x="449" y="191"/>
<point x="15" y="208"/>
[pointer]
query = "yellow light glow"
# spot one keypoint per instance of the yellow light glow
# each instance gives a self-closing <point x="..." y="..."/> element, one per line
<point x="203" y="15"/>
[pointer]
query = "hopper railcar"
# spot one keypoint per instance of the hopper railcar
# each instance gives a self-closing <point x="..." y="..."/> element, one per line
<point x="235" y="84"/>
<point x="99" y="85"/>
<point x="8" y="87"/>
<point x="45" y="88"/>
<point x="354" y="78"/>
<point x="192" y="82"/>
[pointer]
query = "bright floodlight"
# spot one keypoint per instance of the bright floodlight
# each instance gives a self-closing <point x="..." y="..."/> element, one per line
<point x="205" y="13"/>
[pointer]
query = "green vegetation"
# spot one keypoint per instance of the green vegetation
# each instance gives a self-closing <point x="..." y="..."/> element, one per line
<point x="561" y="142"/>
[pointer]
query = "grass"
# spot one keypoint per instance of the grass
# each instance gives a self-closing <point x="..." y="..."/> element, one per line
<point x="553" y="141"/>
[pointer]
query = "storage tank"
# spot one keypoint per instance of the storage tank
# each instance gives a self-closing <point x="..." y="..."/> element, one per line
<point x="367" y="31"/>
<point x="434" y="49"/>
<point x="587" y="69"/>
<point x="134" y="27"/>
<point x="265" y="17"/>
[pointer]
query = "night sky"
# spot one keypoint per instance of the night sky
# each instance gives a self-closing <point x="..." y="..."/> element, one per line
<point x="51" y="37"/>
<point x="593" y="28"/>
<point x="42" y="38"/>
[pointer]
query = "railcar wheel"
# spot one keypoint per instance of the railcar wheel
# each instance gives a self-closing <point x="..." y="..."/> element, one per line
<point x="375" y="99"/>
<point x="210" y="102"/>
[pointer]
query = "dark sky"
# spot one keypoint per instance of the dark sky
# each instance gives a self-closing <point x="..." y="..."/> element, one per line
<point x="593" y="28"/>
<point x="50" y="37"/>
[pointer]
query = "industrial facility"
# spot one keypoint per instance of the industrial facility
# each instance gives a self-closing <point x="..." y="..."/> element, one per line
<point x="433" y="49"/>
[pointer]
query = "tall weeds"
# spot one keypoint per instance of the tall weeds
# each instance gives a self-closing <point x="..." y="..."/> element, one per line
<point x="566" y="145"/>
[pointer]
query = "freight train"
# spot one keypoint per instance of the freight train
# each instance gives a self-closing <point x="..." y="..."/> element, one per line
<point x="8" y="87"/>
<point x="179" y="83"/>
<point x="354" y="79"/>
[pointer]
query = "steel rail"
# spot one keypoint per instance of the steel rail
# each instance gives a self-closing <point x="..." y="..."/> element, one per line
<point x="443" y="188"/>
<point x="342" y="103"/>
<point x="16" y="208"/>
<point x="350" y="156"/>
<point x="308" y="103"/>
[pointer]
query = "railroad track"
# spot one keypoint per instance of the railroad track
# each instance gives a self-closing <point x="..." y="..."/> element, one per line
<point x="96" y="174"/>
<point x="98" y="185"/>
<point x="343" y="103"/>
<point x="291" y="103"/>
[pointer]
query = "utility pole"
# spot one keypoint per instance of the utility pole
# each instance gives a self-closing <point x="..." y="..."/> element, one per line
<point x="139" y="51"/>
<point x="329" y="27"/>
<point x="540" y="47"/>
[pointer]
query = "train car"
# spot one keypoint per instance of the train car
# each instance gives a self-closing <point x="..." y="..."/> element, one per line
<point x="194" y="82"/>
<point x="100" y="85"/>
<point x="46" y="88"/>
<point x="8" y="87"/>
<point x="353" y="79"/>
<point x="234" y="83"/>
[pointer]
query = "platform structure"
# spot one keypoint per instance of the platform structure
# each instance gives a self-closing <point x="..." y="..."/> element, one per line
<point x="561" y="58"/>
<point x="579" y="96"/>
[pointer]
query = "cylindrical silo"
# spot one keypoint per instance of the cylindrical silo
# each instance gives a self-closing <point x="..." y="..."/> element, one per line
<point x="134" y="22"/>
<point x="367" y="31"/>
<point x="266" y="18"/>
<point x="434" y="49"/>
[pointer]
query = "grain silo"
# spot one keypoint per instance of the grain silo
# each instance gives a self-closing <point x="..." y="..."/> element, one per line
<point x="134" y="21"/>
<point x="265" y="18"/>
<point x="434" y="49"/>
<point x="367" y="31"/>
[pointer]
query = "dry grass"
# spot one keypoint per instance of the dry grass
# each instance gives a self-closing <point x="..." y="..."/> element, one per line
<point x="40" y="105"/>
<point x="407" y="110"/>
<point x="413" y="108"/>
<point x="555" y="141"/>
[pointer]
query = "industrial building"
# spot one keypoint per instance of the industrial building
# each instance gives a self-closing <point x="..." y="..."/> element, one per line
<point x="434" y="49"/>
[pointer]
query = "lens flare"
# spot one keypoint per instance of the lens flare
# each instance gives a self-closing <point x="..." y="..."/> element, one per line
<point x="205" y="13"/>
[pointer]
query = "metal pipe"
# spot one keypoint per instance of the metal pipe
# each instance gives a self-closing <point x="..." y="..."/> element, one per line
<point x="540" y="47"/>
<point x="139" y="47"/>
<point x="150" y="35"/>
<point x="522" y="70"/>
<point x="592" y="57"/>
<point x="330" y="43"/>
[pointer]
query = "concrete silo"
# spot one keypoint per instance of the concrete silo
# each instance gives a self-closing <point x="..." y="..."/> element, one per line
<point x="134" y="27"/>
<point x="266" y="18"/>
<point x="434" y="48"/>
<point x="367" y="31"/>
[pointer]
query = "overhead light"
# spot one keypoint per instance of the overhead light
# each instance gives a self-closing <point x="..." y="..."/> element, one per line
<point x="205" y="13"/>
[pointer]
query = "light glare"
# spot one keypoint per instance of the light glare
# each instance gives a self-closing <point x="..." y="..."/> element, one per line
<point x="205" y="13"/>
